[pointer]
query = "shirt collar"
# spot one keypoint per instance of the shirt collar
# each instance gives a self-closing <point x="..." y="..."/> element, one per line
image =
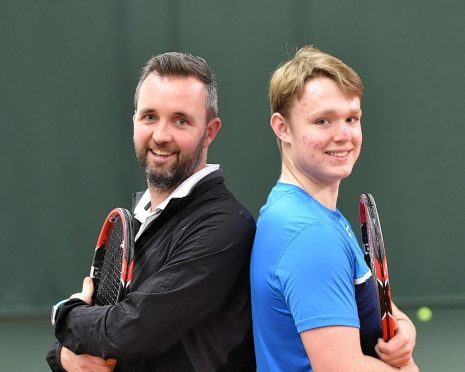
<point x="142" y="210"/>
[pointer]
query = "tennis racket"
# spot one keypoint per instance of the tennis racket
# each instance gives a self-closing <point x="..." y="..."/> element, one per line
<point x="112" y="265"/>
<point x="375" y="257"/>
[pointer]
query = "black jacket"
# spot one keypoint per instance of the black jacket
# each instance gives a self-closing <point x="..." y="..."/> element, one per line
<point x="188" y="307"/>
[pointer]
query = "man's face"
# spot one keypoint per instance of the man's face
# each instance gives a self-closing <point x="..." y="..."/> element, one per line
<point x="171" y="134"/>
<point x="324" y="133"/>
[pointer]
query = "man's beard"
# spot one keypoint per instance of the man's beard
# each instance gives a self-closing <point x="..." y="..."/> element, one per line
<point x="169" y="179"/>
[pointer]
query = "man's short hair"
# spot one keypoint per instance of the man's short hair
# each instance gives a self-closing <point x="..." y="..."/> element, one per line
<point x="288" y="80"/>
<point x="183" y="64"/>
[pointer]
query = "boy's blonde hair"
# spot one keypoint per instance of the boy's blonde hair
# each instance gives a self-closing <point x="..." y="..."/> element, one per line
<point x="288" y="80"/>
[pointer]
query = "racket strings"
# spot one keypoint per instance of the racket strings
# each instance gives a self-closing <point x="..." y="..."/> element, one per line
<point x="109" y="287"/>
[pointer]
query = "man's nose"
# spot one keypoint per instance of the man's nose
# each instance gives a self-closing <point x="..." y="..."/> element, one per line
<point x="161" y="133"/>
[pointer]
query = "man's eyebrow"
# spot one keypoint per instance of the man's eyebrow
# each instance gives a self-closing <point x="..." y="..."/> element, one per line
<point x="145" y="111"/>
<point x="184" y="115"/>
<point x="181" y="114"/>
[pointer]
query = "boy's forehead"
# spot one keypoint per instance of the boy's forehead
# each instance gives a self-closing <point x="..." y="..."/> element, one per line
<point x="324" y="96"/>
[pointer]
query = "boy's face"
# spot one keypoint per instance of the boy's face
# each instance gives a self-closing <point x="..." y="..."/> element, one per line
<point x="324" y="133"/>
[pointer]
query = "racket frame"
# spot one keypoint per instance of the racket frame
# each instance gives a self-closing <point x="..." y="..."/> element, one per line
<point x="127" y="246"/>
<point x="375" y="256"/>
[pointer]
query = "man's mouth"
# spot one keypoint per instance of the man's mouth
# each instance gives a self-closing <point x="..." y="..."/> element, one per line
<point x="160" y="152"/>
<point x="339" y="154"/>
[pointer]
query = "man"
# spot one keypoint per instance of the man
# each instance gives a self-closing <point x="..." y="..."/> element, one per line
<point x="312" y="303"/>
<point x="188" y="305"/>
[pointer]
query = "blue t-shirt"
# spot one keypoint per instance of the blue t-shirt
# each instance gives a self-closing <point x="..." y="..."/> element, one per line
<point x="307" y="271"/>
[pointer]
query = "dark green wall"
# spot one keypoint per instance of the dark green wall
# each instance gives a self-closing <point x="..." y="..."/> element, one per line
<point x="67" y="74"/>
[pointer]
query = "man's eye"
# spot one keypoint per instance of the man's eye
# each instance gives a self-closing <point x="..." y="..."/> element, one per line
<point x="322" y="122"/>
<point x="148" y="117"/>
<point x="181" y="122"/>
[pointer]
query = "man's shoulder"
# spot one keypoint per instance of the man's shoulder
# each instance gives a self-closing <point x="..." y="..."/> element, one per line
<point x="212" y="196"/>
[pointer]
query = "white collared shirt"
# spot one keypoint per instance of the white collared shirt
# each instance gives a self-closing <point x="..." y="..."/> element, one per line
<point x="143" y="212"/>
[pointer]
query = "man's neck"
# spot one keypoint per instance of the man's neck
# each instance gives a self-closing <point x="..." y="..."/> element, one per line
<point x="158" y="196"/>
<point x="325" y="194"/>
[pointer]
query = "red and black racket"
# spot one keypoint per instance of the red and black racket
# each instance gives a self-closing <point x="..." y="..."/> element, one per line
<point x="375" y="257"/>
<point x="112" y="266"/>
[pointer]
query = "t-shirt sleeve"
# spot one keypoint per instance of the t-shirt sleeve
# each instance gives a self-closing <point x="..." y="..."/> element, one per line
<point x="316" y="277"/>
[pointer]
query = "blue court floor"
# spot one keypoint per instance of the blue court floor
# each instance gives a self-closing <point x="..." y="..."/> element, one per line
<point x="440" y="343"/>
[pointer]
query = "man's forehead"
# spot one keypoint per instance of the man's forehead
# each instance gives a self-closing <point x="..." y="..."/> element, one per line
<point x="186" y="87"/>
<point x="155" y="77"/>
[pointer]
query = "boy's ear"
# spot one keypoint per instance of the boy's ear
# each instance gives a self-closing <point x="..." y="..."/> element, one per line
<point x="280" y="126"/>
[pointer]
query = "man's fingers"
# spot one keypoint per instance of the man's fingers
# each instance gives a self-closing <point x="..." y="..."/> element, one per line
<point x="395" y="344"/>
<point x="110" y="362"/>
<point x="87" y="290"/>
<point x="395" y="354"/>
<point x="88" y="287"/>
<point x="85" y="362"/>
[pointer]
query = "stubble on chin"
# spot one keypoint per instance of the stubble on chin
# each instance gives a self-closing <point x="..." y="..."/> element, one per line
<point x="169" y="178"/>
<point x="164" y="179"/>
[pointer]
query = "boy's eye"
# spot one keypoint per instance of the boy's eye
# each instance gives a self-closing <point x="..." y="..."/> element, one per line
<point x="351" y="120"/>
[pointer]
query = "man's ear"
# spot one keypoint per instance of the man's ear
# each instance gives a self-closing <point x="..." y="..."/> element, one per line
<point x="134" y="117"/>
<point x="213" y="127"/>
<point x="280" y="126"/>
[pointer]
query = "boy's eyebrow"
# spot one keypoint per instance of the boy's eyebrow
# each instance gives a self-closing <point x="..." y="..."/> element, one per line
<point x="333" y="112"/>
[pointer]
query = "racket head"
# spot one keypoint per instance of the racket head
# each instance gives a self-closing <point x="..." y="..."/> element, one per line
<point x="375" y="257"/>
<point x="112" y="264"/>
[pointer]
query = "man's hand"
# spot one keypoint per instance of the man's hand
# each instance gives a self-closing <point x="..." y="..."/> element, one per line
<point x="84" y="362"/>
<point x="398" y="351"/>
<point x="87" y="291"/>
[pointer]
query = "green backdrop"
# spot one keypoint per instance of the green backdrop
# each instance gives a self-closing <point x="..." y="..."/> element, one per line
<point x="67" y="74"/>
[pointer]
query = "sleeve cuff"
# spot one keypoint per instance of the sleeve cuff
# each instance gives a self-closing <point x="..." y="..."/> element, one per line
<point x="55" y="309"/>
<point x="53" y="358"/>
